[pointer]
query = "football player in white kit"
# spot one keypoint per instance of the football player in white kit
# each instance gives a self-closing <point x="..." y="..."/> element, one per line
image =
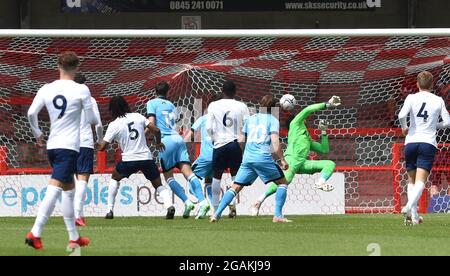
<point x="424" y="110"/>
<point x="64" y="100"/>
<point x="128" y="129"/>
<point x="224" y="124"/>
<point x="85" y="162"/>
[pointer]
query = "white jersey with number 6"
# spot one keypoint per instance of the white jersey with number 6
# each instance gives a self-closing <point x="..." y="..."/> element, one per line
<point x="225" y="120"/>
<point x="64" y="100"/>
<point x="129" y="132"/>
<point x="424" y="109"/>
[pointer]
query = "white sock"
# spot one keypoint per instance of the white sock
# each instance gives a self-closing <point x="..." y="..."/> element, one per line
<point x="69" y="214"/>
<point x="164" y="193"/>
<point x="216" y="191"/>
<point x="80" y="192"/>
<point x="113" y="189"/>
<point x="46" y="209"/>
<point x="410" y="197"/>
<point x="207" y="194"/>
<point x="416" y="194"/>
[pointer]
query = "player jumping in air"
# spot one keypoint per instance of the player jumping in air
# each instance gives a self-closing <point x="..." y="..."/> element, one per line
<point x="85" y="162"/>
<point x="424" y="109"/>
<point x="224" y="125"/>
<point x="300" y="144"/>
<point x="203" y="165"/>
<point x="262" y="133"/>
<point x="128" y="129"/>
<point x="162" y="113"/>
<point x="64" y="100"/>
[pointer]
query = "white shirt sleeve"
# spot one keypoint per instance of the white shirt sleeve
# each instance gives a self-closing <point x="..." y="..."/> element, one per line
<point x="210" y="121"/>
<point x="111" y="133"/>
<point x="35" y="108"/>
<point x="445" y="117"/>
<point x="99" y="125"/>
<point x="144" y="121"/>
<point x="403" y="115"/>
<point x="147" y="123"/>
<point x="198" y="124"/>
<point x="88" y="106"/>
<point x="246" y="113"/>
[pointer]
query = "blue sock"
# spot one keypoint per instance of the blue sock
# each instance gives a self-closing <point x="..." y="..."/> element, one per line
<point x="196" y="187"/>
<point x="177" y="189"/>
<point x="226" y="200"/>
<point x="208" y="188"/>
<point x="280" y="199"/>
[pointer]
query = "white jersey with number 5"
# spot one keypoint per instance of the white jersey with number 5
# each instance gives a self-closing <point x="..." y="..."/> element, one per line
<point x="64" y="100"/>
<point x="424" y="109"/>
<point x="129" y="132"/>
<point x="226" y="118"/>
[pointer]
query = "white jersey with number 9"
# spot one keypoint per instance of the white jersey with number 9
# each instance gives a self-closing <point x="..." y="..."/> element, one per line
<point x="64" y="101"/>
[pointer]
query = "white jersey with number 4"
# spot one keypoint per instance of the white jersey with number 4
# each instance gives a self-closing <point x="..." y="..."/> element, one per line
<point x="129" y="132"/>
<point x="64" y="100"/>
<point x="225" y="120"/>
<point x="424" y="109"/>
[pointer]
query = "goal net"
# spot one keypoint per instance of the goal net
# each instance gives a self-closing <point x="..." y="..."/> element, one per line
<point x="372" y="75"/>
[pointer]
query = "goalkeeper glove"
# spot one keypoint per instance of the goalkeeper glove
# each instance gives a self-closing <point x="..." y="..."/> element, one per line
<point x="323" y="126"/>
<point x="334" y="101"/>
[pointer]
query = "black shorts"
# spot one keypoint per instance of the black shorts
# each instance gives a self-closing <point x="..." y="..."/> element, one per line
<point x="419" y="155"/>
<point x="85" y="162"/>
<point x="147" y="167"/>
<point x="64" y="164"/>
<point x="227" y="157"/>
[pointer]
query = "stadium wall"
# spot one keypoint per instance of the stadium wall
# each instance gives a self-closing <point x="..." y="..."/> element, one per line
<point x="9" y="14"/>
<point x="393" y="14"/>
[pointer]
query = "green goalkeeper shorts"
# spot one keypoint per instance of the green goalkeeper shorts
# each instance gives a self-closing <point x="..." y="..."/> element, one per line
<point x="304" y="166"/>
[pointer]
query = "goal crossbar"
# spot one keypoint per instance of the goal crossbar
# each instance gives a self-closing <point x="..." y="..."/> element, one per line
<point x="278" y="33"/>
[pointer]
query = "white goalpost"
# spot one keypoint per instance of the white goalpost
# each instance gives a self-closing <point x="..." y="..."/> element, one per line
<point x="128" y="33"/>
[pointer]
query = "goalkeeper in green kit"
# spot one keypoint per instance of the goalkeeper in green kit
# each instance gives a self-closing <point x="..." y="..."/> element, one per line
<point x="300" y="144"/>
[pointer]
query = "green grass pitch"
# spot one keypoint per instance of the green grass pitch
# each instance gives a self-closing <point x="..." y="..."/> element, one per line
<point x="244" y="236"/>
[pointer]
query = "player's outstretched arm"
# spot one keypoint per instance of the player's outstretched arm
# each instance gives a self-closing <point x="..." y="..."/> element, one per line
<point x="324" y="146"/>
<point x="335" y="101"/>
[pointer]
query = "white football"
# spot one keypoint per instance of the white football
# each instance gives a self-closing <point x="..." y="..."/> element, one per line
<point x="288" y="102"/>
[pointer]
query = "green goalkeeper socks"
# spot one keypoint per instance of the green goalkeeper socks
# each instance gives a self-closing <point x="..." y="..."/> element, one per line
<point x="272" y="189"/>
